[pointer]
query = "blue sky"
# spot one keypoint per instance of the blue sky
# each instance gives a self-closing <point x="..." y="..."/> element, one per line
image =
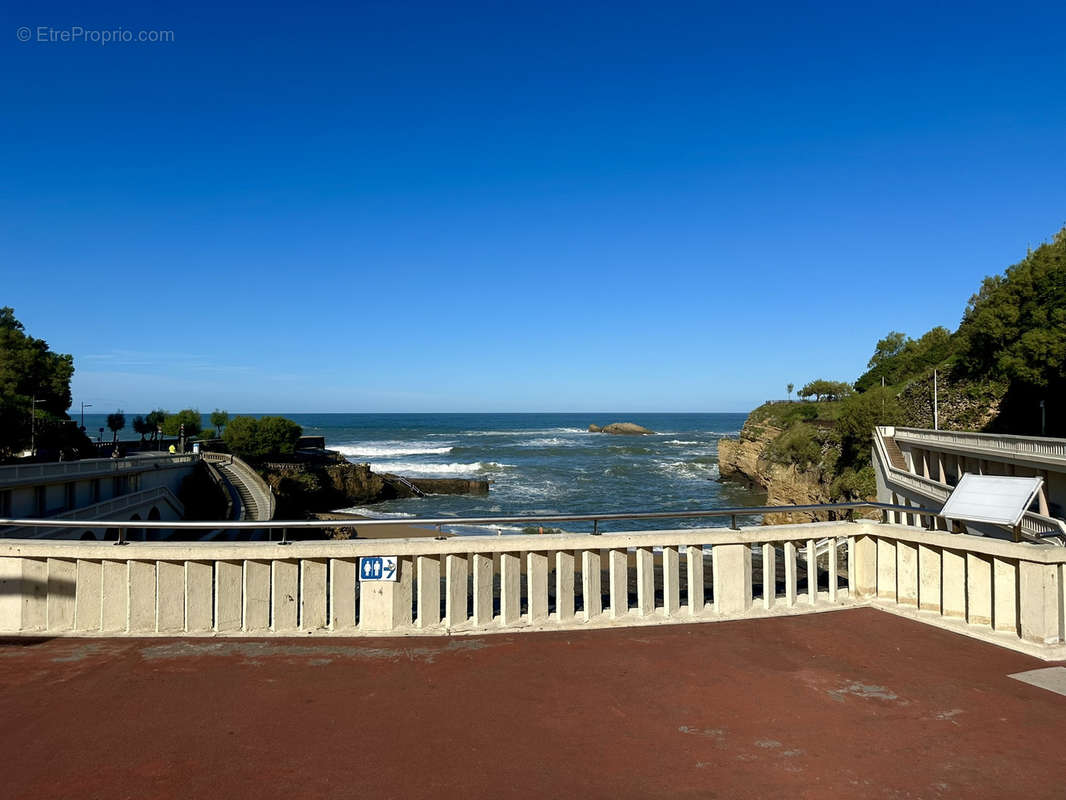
<point x="503" y="207"/>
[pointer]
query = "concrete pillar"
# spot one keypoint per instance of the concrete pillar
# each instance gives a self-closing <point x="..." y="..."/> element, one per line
<point x="564" y="586"/>
<point x="978" y="589"/>
<point x="831" y="568"/>
<point x="907" y="574"/>
<point x="591" y="592"/>
<point x="953" y="586"/>
<point x="386" y="605"/>
<point x="256" y="595"/>
<point x="510" y="588"/>
<point x="199" y="597"/>
<point x="618" y="575"/>
<point x="169" y="605"/>
<point x="342" y="588"/>
<point x="229" y="595"/>
<point x="1004" y="594"/>
<point x="141" y="618"/>
<point x="694" y="574"/>
<point x="1040" y="611"/>
<point x="285" y="576"/>
<point x="925" y="463"/>
<point x="645" y="581"/>
<point x="23" y="594"/>
<point x="87" y="602"/>
<point x="483" y="577"/>
<point x="671" y="581"/>
<point x="1041" y="497"/>
<point x="790" y="574"/>
<point x="886" y="569"/>
<point x="457" y="572"/>
<point x="312" y="594"/>
<point x="812" y="572"/>
<point x="61" y="590"/>
<point x="769" y="575"/>
<point x="537" y="586"/>
<point x="929" y="578"/>
<point x="427" y="601"/>
<point x="732" y="578"/>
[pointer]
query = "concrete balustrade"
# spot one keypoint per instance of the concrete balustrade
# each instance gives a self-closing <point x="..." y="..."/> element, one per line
<point x="1002" y="591"/>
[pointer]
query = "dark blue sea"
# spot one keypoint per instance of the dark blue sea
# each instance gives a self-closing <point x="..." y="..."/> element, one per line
<point x="542" y="463"/>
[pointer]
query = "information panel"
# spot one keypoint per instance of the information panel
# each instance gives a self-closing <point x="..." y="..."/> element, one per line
<point x="999" y="499"/>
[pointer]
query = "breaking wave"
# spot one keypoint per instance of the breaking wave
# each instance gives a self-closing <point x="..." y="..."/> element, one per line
<point x="389" y="449"/>
<point x="416" y="468"/>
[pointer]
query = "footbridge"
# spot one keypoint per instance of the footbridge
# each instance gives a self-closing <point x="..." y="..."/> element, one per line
<point x="919" y="467"/>
<point x="255" y="500"/>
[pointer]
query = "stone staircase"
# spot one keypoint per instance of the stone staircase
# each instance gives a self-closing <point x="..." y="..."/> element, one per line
<point x="895" y="455"/>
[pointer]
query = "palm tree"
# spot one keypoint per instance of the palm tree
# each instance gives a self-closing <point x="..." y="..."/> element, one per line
<point x="790" y="387"/>
<point x="116" y="422"/>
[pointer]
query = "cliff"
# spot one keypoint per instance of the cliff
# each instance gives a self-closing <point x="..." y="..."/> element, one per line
<point x="746" y="459"/>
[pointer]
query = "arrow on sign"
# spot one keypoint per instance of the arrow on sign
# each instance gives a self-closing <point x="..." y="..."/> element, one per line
<point x="390" y="568"/>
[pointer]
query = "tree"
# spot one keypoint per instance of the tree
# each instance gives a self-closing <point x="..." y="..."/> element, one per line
<point x="142" y="426"/>
<point x="156" y="419"/>
<point x="859" y="415"/>
<point x="219" y="420"/>
<point x="189" y="417"/>
<point x="790" y="387"/>
<point x="898" y="358"/>
<point x="257" y="439"/>
<point x="116" y="422"/>
<point x="29" y="370"/>
<point x="821" y="389"/>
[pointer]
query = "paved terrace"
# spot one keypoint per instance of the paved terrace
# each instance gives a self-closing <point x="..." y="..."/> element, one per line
<point x="850" y="703"/>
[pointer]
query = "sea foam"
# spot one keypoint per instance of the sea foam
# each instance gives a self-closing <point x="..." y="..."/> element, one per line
<point x="390" y="449"/>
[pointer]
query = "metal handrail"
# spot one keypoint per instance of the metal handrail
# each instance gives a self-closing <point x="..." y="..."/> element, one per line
<point x="433" y="522"/>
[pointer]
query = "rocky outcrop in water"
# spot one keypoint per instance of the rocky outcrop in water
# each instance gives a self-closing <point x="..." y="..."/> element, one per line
<point x="621" y="428"/>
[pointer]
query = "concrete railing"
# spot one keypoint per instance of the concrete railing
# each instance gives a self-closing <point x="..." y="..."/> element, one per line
<point x="1001" y="591"/>
<point x="1033" y="524"/>
<point x="1053" y="450"/>
<point x="90" y="467"/>
<point x="107" y="508"/>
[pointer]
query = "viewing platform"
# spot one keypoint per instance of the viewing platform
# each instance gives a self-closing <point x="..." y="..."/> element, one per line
<point x="854" y="703"/>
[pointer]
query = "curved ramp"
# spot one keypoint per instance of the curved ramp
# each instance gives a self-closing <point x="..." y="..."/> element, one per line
<point x="256" y="500"/>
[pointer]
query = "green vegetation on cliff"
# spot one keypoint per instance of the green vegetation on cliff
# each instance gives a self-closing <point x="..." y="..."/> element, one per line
<point x="1004" y="369"/>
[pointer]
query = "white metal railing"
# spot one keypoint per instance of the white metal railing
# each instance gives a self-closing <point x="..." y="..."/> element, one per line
<point x="1039" y="446"/>
<point x="1003" y="591"/>
<point x="89" y="467"/>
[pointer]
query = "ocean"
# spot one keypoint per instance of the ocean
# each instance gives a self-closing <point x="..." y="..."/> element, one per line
<point x="541" y="463"/>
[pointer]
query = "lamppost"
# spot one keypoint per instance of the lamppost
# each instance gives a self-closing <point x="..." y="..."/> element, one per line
<point x="33" y="425"/>
<point x="83" y="407"/>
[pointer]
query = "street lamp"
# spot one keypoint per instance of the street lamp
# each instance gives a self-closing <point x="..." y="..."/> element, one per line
<point x="33" y="425"/>
<point x="83" y="407"/>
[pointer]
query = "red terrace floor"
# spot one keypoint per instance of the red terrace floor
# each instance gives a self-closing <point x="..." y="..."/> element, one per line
<point x="854" y="703"/>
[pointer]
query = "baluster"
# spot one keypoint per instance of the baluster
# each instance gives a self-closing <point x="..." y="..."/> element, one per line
<point x="619" y="581"/>
<point x="812" y="572"/>
<point x="456" y="571"/>
<point x="312" y="594"/>
<point x="671" y="581"/>
<point x="285" y="581"/>
<point x="1005" y="575"/>
<point x="428" y="598"/>
<point x="645" y="581"/>
<point x="199" y="600"/>
<point x="769" y="575"/>
<point x="141" y="585"/>
<point x="694" y="568"/>
<point x="256" y="595"/>
<point x="483" y="575"/>
<point x="342" y="588"/>
<point x="87" y="601"/>
<point x="954" y="584"/>
<point x="790" y="574"/>
<point x="978" y="589"/>
<point x="564" y="586"/>
<point x="510" y="588"/>
<point x="591" y="591"/>
<point x="61" y="590"/>
<point x="537" y="586"/>
<point x="229" y="595"/>
<point x="886" y="569"/>
<point x="907" y="574"/>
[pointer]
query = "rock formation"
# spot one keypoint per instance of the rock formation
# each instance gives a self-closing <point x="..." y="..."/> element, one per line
<point x="621" y="428"/>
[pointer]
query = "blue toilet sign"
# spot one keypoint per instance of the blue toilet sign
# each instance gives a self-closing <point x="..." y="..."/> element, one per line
<point x="378" y="568"/>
